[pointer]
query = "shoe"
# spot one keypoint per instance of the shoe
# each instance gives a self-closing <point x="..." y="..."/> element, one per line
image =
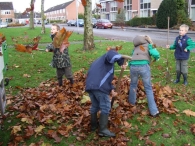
<point x="155" y="115"/>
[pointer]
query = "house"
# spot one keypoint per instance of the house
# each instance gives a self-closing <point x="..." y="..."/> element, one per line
<point x="65" y="11"/>
<point x="6" y="12"/>
<point x="141" y="8"/>
<point x="191" y="9"/>
<point x="25" y="18"/>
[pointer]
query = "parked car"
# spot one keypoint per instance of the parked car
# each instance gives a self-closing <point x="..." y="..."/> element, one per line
<point x="71" y="22"/>
<point x="94" y="22"/>
<point x="80" y="22"/>
<point x="3" y="25"/>
<point x="40" y="21"/>
<point x="104" y="23"/>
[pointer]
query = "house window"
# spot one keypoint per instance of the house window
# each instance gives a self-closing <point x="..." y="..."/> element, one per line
<point x="7" y="12"/>
<point x="113" y="16"/>
<point x="193" y="2"/>
<point x="113" y="6"/>
<point x="103" y="9"/>
<point x="128" y="5"/>
<point x="145" y="8"/>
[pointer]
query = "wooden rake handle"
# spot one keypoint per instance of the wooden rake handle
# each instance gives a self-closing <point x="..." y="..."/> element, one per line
<point x="118" y="83"/>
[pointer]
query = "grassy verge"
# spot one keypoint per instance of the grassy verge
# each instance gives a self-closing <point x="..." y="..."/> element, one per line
<point x="26" y="71"/>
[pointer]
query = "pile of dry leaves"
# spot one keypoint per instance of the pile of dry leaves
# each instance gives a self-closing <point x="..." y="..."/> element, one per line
<point x="58" y="112"/>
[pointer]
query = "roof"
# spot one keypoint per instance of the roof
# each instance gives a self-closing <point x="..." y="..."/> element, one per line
<point x="58" y="7"/>
<point x="6" y="6"/>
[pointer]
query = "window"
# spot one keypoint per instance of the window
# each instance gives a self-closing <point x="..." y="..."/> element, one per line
<point x="193" y="2"/>
<point x="128" y="4"/>
<point x="113" y="6"/>
<point x="103" y="9"/>
<point x="145" y="8"/>
<point x="113" y="16"/>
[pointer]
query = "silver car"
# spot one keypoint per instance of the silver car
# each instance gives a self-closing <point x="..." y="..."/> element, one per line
<point x="3" y="24"/>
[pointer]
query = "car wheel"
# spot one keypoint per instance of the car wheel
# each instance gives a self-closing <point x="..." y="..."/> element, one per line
<point x="110" y="27"/>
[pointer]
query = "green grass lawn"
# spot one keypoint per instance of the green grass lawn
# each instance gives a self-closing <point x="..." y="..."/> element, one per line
<point x="28" y="71"/>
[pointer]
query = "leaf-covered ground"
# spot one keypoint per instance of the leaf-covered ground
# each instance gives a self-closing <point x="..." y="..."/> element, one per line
<point x="58" y="112"/>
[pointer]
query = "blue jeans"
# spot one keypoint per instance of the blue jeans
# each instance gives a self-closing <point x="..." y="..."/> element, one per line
<point x="144" y="72"/>
<point x="100" y="101"/>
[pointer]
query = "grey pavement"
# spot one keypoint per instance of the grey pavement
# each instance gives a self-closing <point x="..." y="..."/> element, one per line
<point x="152" y="29"/>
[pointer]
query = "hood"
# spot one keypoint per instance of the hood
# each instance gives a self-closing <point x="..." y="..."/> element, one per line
<point x="141" y="39"/>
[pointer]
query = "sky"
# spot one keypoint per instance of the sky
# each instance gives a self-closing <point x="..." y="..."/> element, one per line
<point x="21" y="5"/>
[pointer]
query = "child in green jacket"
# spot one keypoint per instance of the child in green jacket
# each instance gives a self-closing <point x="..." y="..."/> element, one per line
<point x="140" y="66"/>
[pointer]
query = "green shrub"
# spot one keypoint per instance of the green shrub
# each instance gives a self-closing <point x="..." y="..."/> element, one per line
<point x="136" y="21"/>
<point x="167" y="8"/>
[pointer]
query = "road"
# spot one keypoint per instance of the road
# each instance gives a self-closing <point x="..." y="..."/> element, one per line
<point x="159" y="37"/>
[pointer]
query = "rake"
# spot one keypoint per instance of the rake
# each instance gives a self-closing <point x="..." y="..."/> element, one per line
<point x="168" y="75"/>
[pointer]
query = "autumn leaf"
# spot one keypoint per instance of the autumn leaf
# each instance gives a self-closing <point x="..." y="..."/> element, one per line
<point x="16" y="129"/>
<point x="84" y="2"/>
<point x="39" y="129"/>
<point x="120" y="1"/>
<point x="142" y="48"/>
<point x="99" y="5"/>
<point x="189" y="112"/>
<point x="85" y="99"/>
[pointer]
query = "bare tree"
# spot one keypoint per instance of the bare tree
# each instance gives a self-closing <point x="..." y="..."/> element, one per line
<point x="42" y="17"/>
<point x="32" y="15"/>
<point x="88" y="30"/>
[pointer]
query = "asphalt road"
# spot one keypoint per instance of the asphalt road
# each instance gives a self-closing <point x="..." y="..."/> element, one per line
<point x="159" y="37"/>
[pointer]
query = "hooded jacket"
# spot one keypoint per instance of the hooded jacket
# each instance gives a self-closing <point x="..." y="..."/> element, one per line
<point x="101" y="72"/>
<point x="143" y="50"/>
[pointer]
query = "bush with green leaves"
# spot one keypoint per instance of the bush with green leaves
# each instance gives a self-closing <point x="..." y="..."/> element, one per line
<point x="167" y="8"/>
<point x="136" y="21"/>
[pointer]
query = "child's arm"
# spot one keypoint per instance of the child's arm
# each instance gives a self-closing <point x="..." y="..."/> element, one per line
<point x="50" y="48"/>
<point x="153" y="52"/>
<point x="191" y="44"/>
<point x="171" y="47"/>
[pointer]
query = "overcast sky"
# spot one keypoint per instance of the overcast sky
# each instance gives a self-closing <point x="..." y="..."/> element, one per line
<point x="21" y="5"/>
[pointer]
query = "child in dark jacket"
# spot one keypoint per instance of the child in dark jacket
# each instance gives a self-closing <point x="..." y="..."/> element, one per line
<point x="99" y="86"/>
<point x="61" y="58"/>
<point x="182" y="46"/>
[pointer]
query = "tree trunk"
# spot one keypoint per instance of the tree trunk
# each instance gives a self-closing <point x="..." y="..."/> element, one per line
<point x="42" y="17"/>
<point x="31" y="26"/>
<point x="88" y="30"/>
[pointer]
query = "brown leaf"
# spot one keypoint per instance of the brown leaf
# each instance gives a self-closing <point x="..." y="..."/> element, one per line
<point x="166" y="135"/>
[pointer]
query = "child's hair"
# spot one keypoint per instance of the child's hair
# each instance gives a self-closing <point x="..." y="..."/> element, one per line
<point x="185" y="26"/>
<point x="57" y="26"/>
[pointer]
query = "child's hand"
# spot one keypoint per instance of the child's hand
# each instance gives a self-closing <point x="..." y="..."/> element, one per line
<point x="113" y="93"/>
<point x="124" y="66"/>
<point x="47" y="50"/>
<point x="185" y="50"/>
<point x="167" y="46"/>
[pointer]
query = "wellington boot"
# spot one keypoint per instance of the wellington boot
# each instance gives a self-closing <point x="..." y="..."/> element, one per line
<point x="94" y="124"/>
<point x="103" y="131"/>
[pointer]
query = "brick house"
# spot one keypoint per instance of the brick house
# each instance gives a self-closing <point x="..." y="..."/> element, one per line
<point x="140" y="8"/>
<point x="6" y="12"/>
<point x="64" y="12"/>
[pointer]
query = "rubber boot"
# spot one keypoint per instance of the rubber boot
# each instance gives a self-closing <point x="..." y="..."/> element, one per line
<point x="103" y="122"/>
<point x="60" y="81"/>
<point x="71" y="81"/>
<point x="94" y="124"/>
<point x="178" y="77"/>
<point x="185" y="82"/>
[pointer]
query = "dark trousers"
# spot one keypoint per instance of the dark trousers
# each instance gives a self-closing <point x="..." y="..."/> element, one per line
<point x="67" y="71"/>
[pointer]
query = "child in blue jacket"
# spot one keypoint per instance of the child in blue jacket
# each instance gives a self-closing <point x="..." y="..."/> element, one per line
<point x="99" y="86"/>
